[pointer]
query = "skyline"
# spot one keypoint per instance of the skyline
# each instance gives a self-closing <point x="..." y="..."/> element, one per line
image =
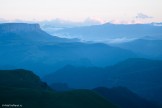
<point x="116" y="11"/>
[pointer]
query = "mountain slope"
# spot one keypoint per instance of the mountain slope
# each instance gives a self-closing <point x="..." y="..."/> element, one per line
<point x="77" y="77"/>
<point x="124" y="98"/>
<point x="21" y="87"/>
<point x="22" y="79"/>
<point x="30" y="98"/>
<point x="142" y="76"/>
<point x="146" y="48"/>
<point x="26" y="32"/>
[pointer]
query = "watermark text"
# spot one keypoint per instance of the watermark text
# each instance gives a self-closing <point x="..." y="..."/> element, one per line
<point x="12" y="105"/>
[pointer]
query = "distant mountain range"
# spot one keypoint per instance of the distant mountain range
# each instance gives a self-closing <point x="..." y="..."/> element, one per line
<point x="27" y="46"/>
<point x="139" y="75"/>
<point x="109" y="31"/>
<point x="69" y="64"/>
<point x="143" y="39"/>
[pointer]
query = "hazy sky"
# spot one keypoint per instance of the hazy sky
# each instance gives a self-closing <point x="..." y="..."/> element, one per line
<point x="77" y="10"/>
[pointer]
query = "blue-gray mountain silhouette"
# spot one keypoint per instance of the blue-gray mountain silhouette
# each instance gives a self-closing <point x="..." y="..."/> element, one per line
<point x="27" y="46"/>
<point x="147" y="48"/>
<point x="142" y="76"/>
<point x="110" y="31"/>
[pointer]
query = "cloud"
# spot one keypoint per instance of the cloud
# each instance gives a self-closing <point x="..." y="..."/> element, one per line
<point x="143" y="16"/>
<point x="92" y="21"/>
<point x="61" y="23"/>
<point x="120" y="40"/>
<point x="95" y="20"/>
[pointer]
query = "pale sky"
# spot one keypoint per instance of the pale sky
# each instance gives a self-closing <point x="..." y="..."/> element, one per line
<point x="77" y="10"/>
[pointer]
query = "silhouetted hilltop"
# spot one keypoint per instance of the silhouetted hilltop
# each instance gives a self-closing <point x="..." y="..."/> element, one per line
<point x="22" y="87"/>
<point x="21" y="79"/>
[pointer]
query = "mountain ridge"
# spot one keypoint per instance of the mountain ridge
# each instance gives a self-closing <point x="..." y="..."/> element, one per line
<point x="147" y="48"/>
<point x="30" y="32"/>
<point x="108" y="31"/>
<point x="23" y="87"/>
<point x="142" y="76"/>
<point x="14" y="27"/>
<point x="38" y="51"/>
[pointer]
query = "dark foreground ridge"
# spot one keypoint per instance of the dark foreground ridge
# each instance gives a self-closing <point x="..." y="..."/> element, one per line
<point x="124" y="98"/>
<point x="23" y="88"/>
